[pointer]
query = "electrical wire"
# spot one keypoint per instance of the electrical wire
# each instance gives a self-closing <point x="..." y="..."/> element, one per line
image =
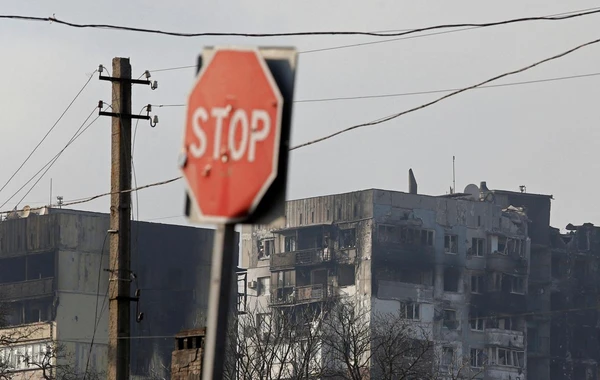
<point x="307" y="33"/>
<point x="96" y="309"/>
<point x="400" y="94"/>
<point x="397" y="115"/>
<point x="49" y="131"/>
<point x="50" y="163"/>
<point x="384" y="41"/>
<point x="339" y="47"/>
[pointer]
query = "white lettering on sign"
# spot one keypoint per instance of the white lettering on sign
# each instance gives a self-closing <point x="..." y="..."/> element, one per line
<point x="252" y="131"/>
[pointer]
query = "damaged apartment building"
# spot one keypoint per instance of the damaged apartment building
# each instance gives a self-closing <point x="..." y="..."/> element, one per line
<point x="54" y="281"/>
<point x="478" y="269"/>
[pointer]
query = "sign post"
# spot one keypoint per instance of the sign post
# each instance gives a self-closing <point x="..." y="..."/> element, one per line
<point x="234" y="161"/>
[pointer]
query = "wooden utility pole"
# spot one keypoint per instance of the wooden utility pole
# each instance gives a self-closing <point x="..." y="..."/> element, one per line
<point x="120" y="224"/>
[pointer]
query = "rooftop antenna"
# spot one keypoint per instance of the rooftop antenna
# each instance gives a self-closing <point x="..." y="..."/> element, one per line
<point x="50" y="204"/>
<point x="453" y="189"/>
<point x="59" y="198"/>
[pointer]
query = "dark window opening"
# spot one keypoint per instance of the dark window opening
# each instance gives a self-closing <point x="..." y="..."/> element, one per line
<point x="348" y="238"/>
<point x="451" y="243"/>
<point x="40" y="266"/>
<point x="266" y="248"/>
<point x="451" y="277"/>
<point x="339" y="213"/>
<point x="476" y="320"/>
<point x="477" y="284"/>
<point x="327" y="214"/>
<point x="478" y="220"/>
<point x="290" y="243"/>
<point x="355" y="210"/>
<point x="12" y="270"/>
<point x="347" y="275"/>
<point x="477" y="247"/>
<point x="450" y="321"/>
<point x="300" y="219"/>
<point x="427" y="238"/>
<point x="502" y="244"/>
<point x="312" y="217"/>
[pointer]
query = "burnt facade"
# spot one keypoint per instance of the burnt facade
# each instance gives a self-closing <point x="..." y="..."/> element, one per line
<point x="53" y="272"/>
<point x="458" y="264"/>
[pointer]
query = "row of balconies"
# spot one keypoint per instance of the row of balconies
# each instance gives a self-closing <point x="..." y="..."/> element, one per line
<point x="27" y="289"/>
<point x="302" y="294"/>
<point x="312" y="256"/>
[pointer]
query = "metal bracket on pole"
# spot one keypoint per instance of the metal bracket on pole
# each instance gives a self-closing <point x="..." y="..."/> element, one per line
<point x="125" y="80"/>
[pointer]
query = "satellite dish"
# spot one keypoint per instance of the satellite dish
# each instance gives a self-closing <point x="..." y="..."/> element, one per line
<point x="472" y="190"/>
<point x="26" y="211"/>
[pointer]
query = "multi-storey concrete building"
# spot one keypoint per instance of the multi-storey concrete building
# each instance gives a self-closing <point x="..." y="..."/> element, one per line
<point x="458" y="264"/>
<point x="54" y="278"/>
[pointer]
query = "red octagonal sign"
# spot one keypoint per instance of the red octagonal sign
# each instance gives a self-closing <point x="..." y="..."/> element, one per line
<point x="232" y="134"/>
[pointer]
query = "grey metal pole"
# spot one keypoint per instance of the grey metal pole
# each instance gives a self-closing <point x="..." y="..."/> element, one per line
<point x="219" y="302"/>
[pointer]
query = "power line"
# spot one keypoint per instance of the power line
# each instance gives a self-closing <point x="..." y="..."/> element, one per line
<point x="396" y="115"/>
<point x="400" y="94"/>
<point x="47" y="133"/>
<point x="289" y="34"/>
<point x="388" y="40"/>
<point x="50" y="163"/>
<point x="339" y="47"/>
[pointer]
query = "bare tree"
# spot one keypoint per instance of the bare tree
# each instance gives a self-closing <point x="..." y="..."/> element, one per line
<point x="337" y="340"/>
<point x="50" y="361"/>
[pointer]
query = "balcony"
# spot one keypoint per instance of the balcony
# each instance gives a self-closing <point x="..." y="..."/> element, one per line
<point x="404" y="253"/>
<point x="401" y="290"/>
<point x="505" y="302"/>
<point x="507" y="263"/>
<point x="27" y="289"/>
<point x="504" y="338"/>
<point x="302" y="294"/>
<point x="312" y="256"/>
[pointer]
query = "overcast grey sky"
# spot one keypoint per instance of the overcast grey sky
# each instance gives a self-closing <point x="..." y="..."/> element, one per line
<point x="541" y="135"/>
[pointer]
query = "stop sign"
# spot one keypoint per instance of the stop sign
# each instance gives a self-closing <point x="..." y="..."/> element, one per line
<point x="232" y="135"/>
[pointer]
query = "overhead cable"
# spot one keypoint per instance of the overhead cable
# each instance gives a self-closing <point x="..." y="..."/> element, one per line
<point x="397" y="115"/>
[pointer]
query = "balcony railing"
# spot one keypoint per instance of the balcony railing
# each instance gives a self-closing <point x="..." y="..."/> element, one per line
<point x="310" y="256"/>
<point x="27" y="289"/>
<point x="504" y="338"/>
<point x="303" y="294"/>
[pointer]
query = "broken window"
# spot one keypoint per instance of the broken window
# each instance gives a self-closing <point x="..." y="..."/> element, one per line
<point x="387" y="233"/>
<point x="451" y="277"/>
<point x="517" y="285"/>
<point x="476" y="321"/>
<point x="447" y="356"/>
<point x="502" y="245"/>
<point x="477" y="358"/>
<point x="451" y="243"/>
<point x="263" y="286"/>
<point x="12" y="270"/>
<point x="266" y="248"/>
<point x="450" y="321"/>
<point x="503" y="323"/>
<point x="477" y="247"/>
<point x="477" y="284"/>
<point x="289" y="244"/>
<point x="427" y="238"/>
<point x="40" y="266"/>
<point x="347" y="275"/>
<point x="507" y="357"/>
<point x="348" y="238"/>
<point x="409" y="310"/>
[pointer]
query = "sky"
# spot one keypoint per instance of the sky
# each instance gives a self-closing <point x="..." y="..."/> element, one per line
<point x="541" y="135"/>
